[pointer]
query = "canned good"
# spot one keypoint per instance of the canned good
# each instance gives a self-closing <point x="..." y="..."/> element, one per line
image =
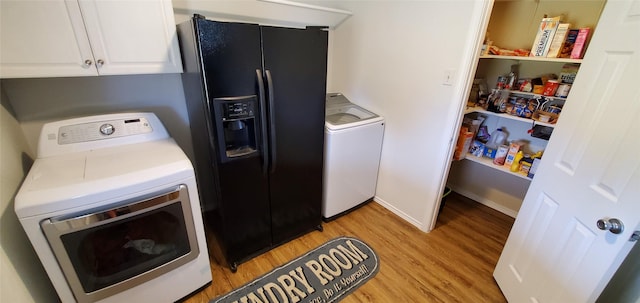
<point x="553" y="109"/>
<point x="563" y="90"/>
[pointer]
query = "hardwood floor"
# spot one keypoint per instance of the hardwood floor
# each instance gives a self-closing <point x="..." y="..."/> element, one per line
<point x="452" y="263"/>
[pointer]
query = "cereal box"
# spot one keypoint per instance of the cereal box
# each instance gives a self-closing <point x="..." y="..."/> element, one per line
<point x="546" y="31"/>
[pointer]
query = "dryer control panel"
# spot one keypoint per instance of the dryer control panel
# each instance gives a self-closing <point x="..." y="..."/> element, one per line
<point x="101" y="130"/>
<point x="94" y="132"/>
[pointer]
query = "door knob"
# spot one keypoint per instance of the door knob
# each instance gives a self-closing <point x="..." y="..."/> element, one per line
<point x="613" y="225"/>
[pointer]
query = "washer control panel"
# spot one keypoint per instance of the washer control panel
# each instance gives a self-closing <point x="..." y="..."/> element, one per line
<point x="101" y="130"/>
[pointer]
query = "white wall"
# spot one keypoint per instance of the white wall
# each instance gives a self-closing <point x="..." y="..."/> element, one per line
<point x="22" y="278"/>
<point x="391" y="57"/>
<point x="40" y="100"/>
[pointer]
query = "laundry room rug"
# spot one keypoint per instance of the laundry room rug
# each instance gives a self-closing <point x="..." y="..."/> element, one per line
<point x="325" y="274"/>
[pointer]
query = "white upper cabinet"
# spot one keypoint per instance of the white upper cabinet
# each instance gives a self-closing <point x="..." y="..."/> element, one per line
<point x="67" y="38"/>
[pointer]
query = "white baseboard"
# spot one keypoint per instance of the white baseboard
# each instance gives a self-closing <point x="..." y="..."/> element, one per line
<point x="401" y="214"/>
<point x="489" y="203"/>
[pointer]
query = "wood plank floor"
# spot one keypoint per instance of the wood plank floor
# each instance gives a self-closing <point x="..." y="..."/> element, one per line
<point x="453" y="263"/>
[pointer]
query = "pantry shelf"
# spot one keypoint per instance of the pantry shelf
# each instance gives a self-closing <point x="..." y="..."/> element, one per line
<point x="477" y="109"/>
<point x="489" y="163"/>
<point x="539" y="59"/>
<point x="521" y="93"/>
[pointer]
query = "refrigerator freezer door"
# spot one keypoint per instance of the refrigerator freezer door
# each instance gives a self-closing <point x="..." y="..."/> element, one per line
<point x="231" y="53"/>
<point x="297" y="62"/>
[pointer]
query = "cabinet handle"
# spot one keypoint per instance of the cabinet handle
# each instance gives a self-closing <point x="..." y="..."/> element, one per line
<point x="87" y="63"/>
<point x="99" y="63"/>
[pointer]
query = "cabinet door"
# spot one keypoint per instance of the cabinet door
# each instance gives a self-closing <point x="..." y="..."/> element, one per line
<point x="43" y="39"/>
<point x="132" y="37"/>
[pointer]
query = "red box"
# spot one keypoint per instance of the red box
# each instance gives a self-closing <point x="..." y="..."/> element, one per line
<point x="550" y="88"/>
<point x="581" y="43"/>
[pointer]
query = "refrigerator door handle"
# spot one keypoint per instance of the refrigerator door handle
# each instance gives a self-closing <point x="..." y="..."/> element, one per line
<point x="272" y="121"/>
<point x="263" y="123"/>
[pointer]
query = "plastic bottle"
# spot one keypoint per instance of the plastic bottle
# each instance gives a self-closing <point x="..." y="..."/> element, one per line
<point x="497" y="138"/>
<point x="538" y="154"/>
<point x="515" y="166"/>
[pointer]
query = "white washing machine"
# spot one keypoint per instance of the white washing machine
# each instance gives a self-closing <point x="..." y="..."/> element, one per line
<point x="112" y="209"/>
<point x="353" y="144"/>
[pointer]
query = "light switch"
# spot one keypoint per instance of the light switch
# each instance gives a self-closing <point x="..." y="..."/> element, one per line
<point x="448" y="77"/>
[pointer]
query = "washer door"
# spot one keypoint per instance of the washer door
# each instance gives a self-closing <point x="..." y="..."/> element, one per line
<point x="109" y="251"/>
<point x="347" y="114"/>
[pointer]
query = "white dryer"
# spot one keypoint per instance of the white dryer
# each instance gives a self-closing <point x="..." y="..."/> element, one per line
<point x="112" y="209"/>
<point x="353" y="144"/>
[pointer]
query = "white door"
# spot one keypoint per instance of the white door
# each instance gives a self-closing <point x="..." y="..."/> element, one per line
<point x="132" y="37"/>
<point x="43" y="38"/>
<point x="590" y="171"/>
<point x="64" y="38"/>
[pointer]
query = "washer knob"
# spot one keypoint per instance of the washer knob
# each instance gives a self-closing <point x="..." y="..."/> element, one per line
<point x="107" y="129"/>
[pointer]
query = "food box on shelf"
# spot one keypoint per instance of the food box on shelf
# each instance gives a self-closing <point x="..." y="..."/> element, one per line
<point x="558" y="40"/>
<point x="489" y="152"/>
<point x="501" y="155"/>
<point x="514" y="147"/>
<point x="464" y="142"/>
<point x="544" y="36"/>
<point x="477" y="148"/>
<point x="534" y="167"/>
<point x="569" y="42"/>
<point x="581" y="43"/>
<point x="569" y="72"/>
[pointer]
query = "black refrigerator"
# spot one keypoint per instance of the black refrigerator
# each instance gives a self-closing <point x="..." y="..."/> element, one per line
<point x="256" y="98"/>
